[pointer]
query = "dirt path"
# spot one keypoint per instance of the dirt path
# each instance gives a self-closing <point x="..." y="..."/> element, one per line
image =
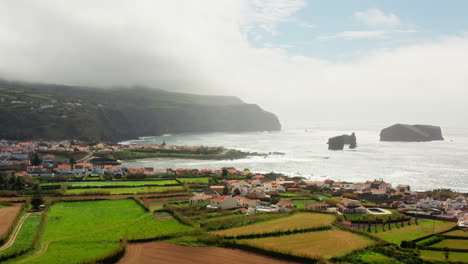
<point x="7" y="218"/>
<point x="163" y="252"/>
<point x="15" y="233"/>
<point x="36" y="254"/>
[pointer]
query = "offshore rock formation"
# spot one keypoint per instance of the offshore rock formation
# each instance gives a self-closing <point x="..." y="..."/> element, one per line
<point x="411" y="133"/>
<point x="338" y="143"/>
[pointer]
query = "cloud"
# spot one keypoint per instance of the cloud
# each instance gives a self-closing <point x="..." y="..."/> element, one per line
<point x="266" y="14"/>
<point x="377" y="18"/>
<point x="356" y="35"/>
<point x="188" y="46"/>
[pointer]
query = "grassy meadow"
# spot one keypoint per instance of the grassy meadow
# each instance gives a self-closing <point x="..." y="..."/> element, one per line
<point x="127" y="190"/>
<point x="439" y="256"/>
<point x="25" y="237"/>
<point x="79" y="231"/>
<point x="425" y="227"/>
<point x="452" y="243"/>
<point x="297" y="221"/>
<point x="112" y="183"/>
<point x="194" y="180"/>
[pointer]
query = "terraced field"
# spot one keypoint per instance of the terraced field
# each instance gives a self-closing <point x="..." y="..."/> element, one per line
<point x="326" y="244"/>
<point x="194" y="180"/>
<point x="112" y="183"/>
<point x="439" y="256"/>
<point x="295" y="222"/>
<point x="457" y="233"/>
<point x="79" y="231"/>
<point x="424" y="228"/>
<point x="452" y="243"/>
<point x="129" y="190"/>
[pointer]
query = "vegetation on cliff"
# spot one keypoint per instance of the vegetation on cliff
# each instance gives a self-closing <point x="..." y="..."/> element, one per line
<point x="34" y="111"/>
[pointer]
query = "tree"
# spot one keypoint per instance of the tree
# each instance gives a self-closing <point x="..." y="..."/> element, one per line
<point x="446" y="253"/>
<point x="72" y="161"/>
<point x="224" y="173"/>
<point x="35" y="160"/>
<point x="36" y="201"/>
<point x="236" y="192"/>
<point x="225" y="190"/>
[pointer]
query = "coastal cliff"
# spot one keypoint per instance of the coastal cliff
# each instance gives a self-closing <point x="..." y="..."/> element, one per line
<point x="39" y="111"/>
<point x="411" y="133"/>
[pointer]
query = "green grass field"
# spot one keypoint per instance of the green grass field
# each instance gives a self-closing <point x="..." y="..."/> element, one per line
<point x="457" y="233"/>
<point x="25" y="237"/>
<point x="113" y="183"/>
<point x="439" y="256"/>
<point x="77" y="231"/>
<point x="194" y="180"/>
<point x="424" y="228"/>
<point x="295" y="222"/>
<point x="327" y="244"/>
<point x="129" y="190"/>
<point x="300" y="203"/>
<point x="452" y="243"/>
<point x="369" y="257"/>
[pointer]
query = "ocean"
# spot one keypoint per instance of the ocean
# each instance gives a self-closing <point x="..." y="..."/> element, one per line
<point x="422" y="165"/>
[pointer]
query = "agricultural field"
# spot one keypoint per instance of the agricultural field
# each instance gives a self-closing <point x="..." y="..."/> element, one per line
<point x="452" y="243"/>
<point x="372" y="217"/>
<point x="112" y="183"/>
<point x="326" y="244"/>
<point x="295" y="222"/>
<point x="25" y="237"/>
<point x="79" y="231"/>
<point x="194" y="180"/>
<point x="425" y="227"/>
<point x="439" y="256"/>
<point x="8" y="216"/>
<point x="457" y="233"/>
<point x="165" y="252"/>
<point x="369" y="257"/>
<point x="300" y="203"/>
<point x="127" y="190"/>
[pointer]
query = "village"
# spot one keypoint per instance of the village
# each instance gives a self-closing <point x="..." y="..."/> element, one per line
<point x="230" y="188"/>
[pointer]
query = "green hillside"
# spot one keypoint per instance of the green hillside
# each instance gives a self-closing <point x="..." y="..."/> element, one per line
<point x="32" y="111"/>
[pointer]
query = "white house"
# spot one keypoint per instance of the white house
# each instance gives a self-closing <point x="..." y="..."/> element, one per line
<point x="223" y="202"/>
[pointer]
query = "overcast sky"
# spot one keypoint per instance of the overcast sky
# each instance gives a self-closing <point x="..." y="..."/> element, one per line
<point x="356" y="60"/>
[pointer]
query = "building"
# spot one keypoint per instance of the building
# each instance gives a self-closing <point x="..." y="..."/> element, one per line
<point x="64" y="168"/>
<point x="349" y="206"/>
<point x="223" y="202"/>
<point x="284" y="206"/>
<point x="199" y="198"/>
<point x="316" y="207"/>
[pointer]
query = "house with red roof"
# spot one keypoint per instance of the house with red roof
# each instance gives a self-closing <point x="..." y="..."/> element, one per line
<point x="349" y="206"/>
<point x="284" y="206"/>
<point x="316" y="207"/>
<point x="64" y="168"/>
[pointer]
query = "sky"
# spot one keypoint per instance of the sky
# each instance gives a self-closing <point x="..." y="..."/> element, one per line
<point x="306" y="61"/>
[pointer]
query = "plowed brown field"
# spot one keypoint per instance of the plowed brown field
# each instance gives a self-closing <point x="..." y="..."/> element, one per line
<point x="162" y="252"/>
<point x="7" y="218"/>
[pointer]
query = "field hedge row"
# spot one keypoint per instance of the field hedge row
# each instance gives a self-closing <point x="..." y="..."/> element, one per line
<point x="142" y="203"/>
<point x="280" y="233"/>
<point x="237" y="221"/>
<point x="184" y="220"/>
